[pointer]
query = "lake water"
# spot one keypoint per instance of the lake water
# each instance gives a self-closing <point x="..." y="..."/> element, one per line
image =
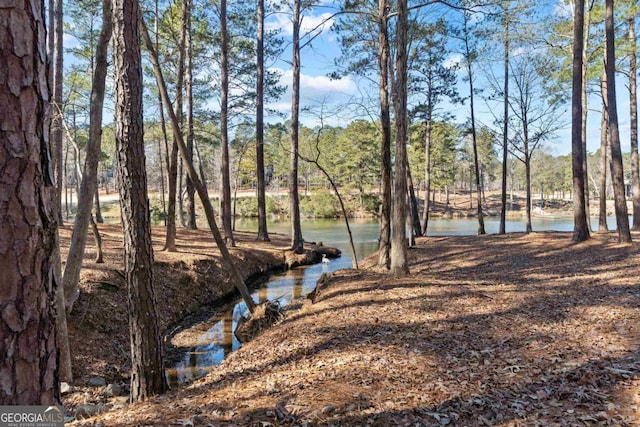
<point x="219" y="340"/>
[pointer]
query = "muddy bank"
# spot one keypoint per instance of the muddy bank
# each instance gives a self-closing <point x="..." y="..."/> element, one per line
<point x="185" y="281"/>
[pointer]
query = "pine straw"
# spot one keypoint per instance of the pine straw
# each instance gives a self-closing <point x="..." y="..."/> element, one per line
<point x="517" y="330"/>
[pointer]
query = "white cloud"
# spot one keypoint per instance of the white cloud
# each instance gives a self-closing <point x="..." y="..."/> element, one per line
<point x="283" y="23"/>
<point x="313" y="89"/>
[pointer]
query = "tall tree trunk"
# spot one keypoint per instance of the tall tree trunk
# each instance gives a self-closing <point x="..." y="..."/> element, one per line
<point x="527" y="173"/>
<point x="622" y="219"/>
<point x="585" y="42"/>
<point x="297" y="242"/>
<point x="427" y="176"/>
<point x="505" y="123"/>
<point x="476" y="161"/>
<point x="399" y="259"/>
<point x="97" y="208"/>
<point x="633" y="113"/>
<point x="29" y="365"/>
<point x="236" y="278"/>
<point x="580" y="225"/>
<point x="147" y="367"/>
<point x="413" y="205"/>
<point x="263" y="234"/>
<point x="225" y="185"/>
<point x="604" y="132"/>
<point x="88" y="186"/>
<point x="171" y="160"/>
<point x="188" y="83"/>
<point x="56" y="122"/>
<point x="385" y="146"/>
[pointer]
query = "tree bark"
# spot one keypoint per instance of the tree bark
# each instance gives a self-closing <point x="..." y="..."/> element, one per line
<point x="633" y="113"/>
<point x="56" y="122"/>
<point x="147" y="368"/>
<point x="585" y="111"/>
<point x="505" y="124"/>
<point x="416" y="227"/>
<point x="580" y="225"/>
<point x="263" y="234"/>
<point x="236" y="278"/>
<point x="427" y="176"/>
<point x="88" y="185"/>
<point x="225" y="184"/>
<point x="622" y="219"/>
<point x="297" y="242"/>
<point x="385" y="147"/>
<point x="604" y="131"/>
<point x="399" y="259"/>
<point x="191" y="205"/>
<point x="476" y="162"/>
<point x="28" y="214"/>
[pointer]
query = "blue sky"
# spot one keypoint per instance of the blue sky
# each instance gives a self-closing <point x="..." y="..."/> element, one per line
<point x="317" y="88"/>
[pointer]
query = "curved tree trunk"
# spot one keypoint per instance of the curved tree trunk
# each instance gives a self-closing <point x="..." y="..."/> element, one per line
<point x="236" y="278"/>
<point x="147" y="367"/>
<point x="88" y="185"/>
<point x="28" y="286"/>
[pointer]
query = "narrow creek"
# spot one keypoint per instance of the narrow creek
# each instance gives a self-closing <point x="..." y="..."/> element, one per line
<point x="208" y="342"/>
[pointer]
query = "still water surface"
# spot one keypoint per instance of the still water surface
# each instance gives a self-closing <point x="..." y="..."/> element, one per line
<point x="218" y="340"/>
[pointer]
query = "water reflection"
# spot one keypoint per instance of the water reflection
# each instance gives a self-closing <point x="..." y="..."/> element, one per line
<point x="219" y="340"/>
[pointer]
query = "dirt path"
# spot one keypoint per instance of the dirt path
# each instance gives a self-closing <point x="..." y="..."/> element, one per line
<point x="509" y="330"/>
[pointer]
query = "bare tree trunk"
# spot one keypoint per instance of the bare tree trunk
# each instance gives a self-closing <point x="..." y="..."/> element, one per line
<point x="604" y="131"/>
<point x="476" y="161"/>
<point x="583" y="90"/>
<point x="413" y="204"/>
<point x="97" y="208"/>
<point x="297" y="242"/>
<point x="88" y="186"/>
<point x="225" y="185"/>
<point x="191" y="205"/>
<point x="399" y="259"/>
<point x="147" y="367"/>
<point x="633" y="113"/>
<point x="236" y="278"/>
<point x="385" y="124"/>
<point x="263" y="234"/>
<point x="622" y="219"/>
<point x="527" y="172"/>
<point x="28" y="367"/>
<point x="56" y="122"/>
<point x="427" y="176"/>
<point x="171" y="159"/>
<point x="98" y="240"/>
<point x="505" y="124"/>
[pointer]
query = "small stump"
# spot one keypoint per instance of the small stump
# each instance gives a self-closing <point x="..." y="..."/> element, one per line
<point x="265" y="315"/>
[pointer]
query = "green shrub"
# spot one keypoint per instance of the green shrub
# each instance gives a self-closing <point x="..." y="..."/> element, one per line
<point x="320" y="205"/>
<point x="247" y="207"/>
<point x="371" y="203"/>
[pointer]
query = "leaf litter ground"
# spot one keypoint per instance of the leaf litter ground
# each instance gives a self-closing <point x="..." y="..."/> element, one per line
<point x="515" y="330"/>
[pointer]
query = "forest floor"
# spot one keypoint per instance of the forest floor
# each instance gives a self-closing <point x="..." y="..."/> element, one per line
<point x="512" y="330"/>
